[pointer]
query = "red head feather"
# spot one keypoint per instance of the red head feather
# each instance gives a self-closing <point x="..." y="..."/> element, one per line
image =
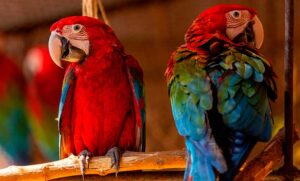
<point x="211" y="23"/>
<point x="84" y="20"/>
<point x="96" y="29"/>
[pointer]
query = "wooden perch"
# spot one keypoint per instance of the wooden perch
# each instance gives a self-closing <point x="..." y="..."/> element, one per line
<point x="265" y="162"/>
<point x="256" y="169"/>
<point x="131" y="161"/>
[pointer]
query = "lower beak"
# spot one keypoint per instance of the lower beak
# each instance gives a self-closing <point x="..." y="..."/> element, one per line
<point x="55" y="46"/>
<point x="258" y="32"/>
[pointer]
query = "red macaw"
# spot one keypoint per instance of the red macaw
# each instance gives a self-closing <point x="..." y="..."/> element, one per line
<point x="44" y="80"/>
<point x="102" y="102"/>
<point x="220" y="89"/>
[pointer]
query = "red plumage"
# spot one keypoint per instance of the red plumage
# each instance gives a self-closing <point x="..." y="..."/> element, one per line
<point x="210" y="24"/>
<point x="102" y="105"/>
<point x="99" y="112"/>
<point x="11" y="74"/>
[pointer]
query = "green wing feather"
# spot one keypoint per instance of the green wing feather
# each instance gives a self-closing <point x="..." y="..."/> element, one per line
<point x="190" y="94"/>
<point x="243" y="98"/>
<point x="191" y="99"/>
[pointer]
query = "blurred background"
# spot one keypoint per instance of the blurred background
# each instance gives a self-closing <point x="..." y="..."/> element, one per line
<point x="149" y="29"/>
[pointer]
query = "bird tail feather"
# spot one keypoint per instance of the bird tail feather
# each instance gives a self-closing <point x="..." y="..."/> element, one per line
<point x="203" y="156"/>
<point x="241" y="148"/>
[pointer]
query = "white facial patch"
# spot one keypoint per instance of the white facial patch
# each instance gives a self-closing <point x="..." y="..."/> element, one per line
<point x="233" y="32"/>
<point x="81" y="44"/>
<point x="236" y="22"/>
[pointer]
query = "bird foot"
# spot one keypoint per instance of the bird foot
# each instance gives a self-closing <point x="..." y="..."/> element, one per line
<point x="115" y="155"/>
<point x="84" y="157"/>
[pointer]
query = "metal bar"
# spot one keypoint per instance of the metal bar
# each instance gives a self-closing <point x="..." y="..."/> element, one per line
<point x="288" y="94"/>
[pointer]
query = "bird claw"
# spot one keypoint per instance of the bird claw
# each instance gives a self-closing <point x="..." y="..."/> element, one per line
<point x="87" y="161"/>
<point x="84" y="158"/>
<point x="115" y="155"/>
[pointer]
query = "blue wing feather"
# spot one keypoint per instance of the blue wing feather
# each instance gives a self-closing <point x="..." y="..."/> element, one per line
<point x="135" y="76"/>
<point x="69" y="77"/>
<point x="243" y="104"/>
<point x="191" y="99"/>
<point x="65" y="88"/>
<point x="228" y="97"/>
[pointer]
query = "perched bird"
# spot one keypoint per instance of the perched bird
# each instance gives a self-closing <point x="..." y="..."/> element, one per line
<point x="15" y="141"/>
<point x="102" y="108"/>
<point x="220" y="89"/>
<point x="44" y="81"/>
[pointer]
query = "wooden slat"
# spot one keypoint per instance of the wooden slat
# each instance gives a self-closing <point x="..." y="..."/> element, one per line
<point x="131" y="161"/>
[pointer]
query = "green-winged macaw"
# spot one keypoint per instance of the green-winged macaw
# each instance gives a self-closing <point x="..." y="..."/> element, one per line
<point x="102" y="108"/>
<point x="220" y="88"/>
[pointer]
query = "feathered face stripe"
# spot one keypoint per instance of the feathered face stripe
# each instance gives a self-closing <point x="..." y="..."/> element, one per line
<point x="75" y="32"/>
<point x="237" y="18"/>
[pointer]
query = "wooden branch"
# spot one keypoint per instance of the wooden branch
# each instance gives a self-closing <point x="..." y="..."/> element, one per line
<point x="265" y="162"/>
<point x="257" y="169"/>
<point x="131" y="161"/>
<point x="129" y="176"/>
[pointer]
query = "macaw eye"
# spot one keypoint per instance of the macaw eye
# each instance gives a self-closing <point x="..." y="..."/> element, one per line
<point x="235" y="14"/>
<point x="77" y="27"/>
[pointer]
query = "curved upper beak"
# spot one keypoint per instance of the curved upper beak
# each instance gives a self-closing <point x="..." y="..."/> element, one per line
<point x="55" y="46"/>
<point x="258" y="32"/>
<point x="62" y="49"/>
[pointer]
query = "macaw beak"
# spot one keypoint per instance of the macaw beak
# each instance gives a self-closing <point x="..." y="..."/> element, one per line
<point x="61" y="49"/>
<point x="251" y="32"/>
<point x="258" y="32"/>
<point x="56" y="45"/>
